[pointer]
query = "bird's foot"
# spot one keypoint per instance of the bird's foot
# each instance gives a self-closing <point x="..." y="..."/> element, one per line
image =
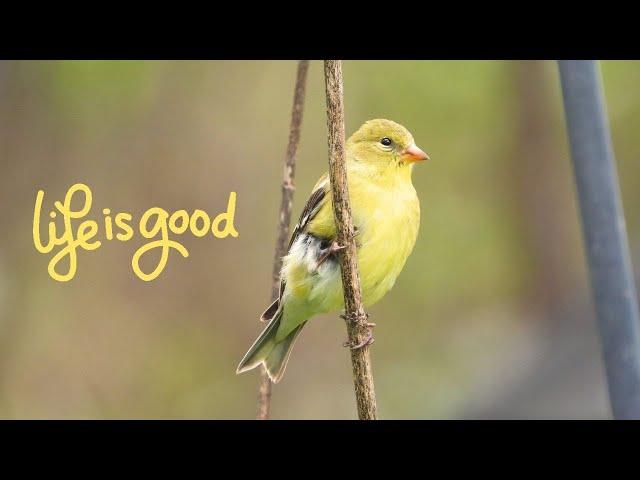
<point x="330" y="250"/>
<point x="354" y="318"/>
<point x="368" y="340"/>
<point x="362" y="320"/>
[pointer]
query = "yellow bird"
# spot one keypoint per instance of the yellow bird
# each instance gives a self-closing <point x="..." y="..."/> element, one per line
<point x="386" y="215"/>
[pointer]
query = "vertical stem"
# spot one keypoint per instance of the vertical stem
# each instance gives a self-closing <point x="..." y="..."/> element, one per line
<point x="264" y="396"/>
<point x="605" y="233"/>
<point x="356" y="318"/>
<point x="284" y="220"/>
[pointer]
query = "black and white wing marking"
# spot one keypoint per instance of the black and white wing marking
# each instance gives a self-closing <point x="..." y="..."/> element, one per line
<point x="310" y="209"/>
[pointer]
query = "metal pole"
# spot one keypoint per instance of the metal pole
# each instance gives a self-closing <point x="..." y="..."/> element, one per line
<point x="604" y="232"/>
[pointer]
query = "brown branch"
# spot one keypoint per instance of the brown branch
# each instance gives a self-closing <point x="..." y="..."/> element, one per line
<point x="284" y="221"/>
<point x="356" y="318"/>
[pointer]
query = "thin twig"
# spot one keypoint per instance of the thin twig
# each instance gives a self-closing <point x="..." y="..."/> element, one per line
<point x="284" y="221"/>
<point x="356" y="318"/>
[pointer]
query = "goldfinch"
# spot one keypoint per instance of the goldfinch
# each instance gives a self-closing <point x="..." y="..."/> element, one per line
<point x="380" y="157"/>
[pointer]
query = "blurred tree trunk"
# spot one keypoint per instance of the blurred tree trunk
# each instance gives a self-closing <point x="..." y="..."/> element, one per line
<point x="9" y="315"/>
<point x="4" y="71"/>
<point x="542" y="186"/>
<point x="3" y="80"/>
<point x="7" y="323"/>
<point x="17" y="126"/>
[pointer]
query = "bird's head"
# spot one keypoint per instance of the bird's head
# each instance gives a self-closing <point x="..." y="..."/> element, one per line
<point x="383" y="142"/>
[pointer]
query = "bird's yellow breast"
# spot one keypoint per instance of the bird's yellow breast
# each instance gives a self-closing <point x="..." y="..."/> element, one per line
<point x="386" y="213"/>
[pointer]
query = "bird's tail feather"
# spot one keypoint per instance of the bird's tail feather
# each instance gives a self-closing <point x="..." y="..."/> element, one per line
<point x="265" y="350"/>
<point x="277" y="360"/>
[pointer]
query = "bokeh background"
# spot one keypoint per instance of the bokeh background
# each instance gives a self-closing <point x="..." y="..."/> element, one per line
<point x="491" y="317"/>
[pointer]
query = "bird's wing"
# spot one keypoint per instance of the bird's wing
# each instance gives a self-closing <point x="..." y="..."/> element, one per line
<point x="317" y="200"/>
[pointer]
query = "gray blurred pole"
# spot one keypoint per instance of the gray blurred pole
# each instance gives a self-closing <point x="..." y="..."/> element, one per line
<point x="604" y="232"/>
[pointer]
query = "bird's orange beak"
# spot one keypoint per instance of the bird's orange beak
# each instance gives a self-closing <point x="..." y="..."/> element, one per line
<point x="413" y="154"/>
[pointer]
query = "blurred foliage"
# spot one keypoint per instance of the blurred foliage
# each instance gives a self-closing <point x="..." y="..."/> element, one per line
<point x="183" y="134"/>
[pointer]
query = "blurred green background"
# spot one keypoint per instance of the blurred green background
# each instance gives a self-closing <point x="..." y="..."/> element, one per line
<point x="491" y="317"/>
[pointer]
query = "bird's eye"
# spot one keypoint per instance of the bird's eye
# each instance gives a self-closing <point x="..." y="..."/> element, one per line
<point x="386" y="141"/>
